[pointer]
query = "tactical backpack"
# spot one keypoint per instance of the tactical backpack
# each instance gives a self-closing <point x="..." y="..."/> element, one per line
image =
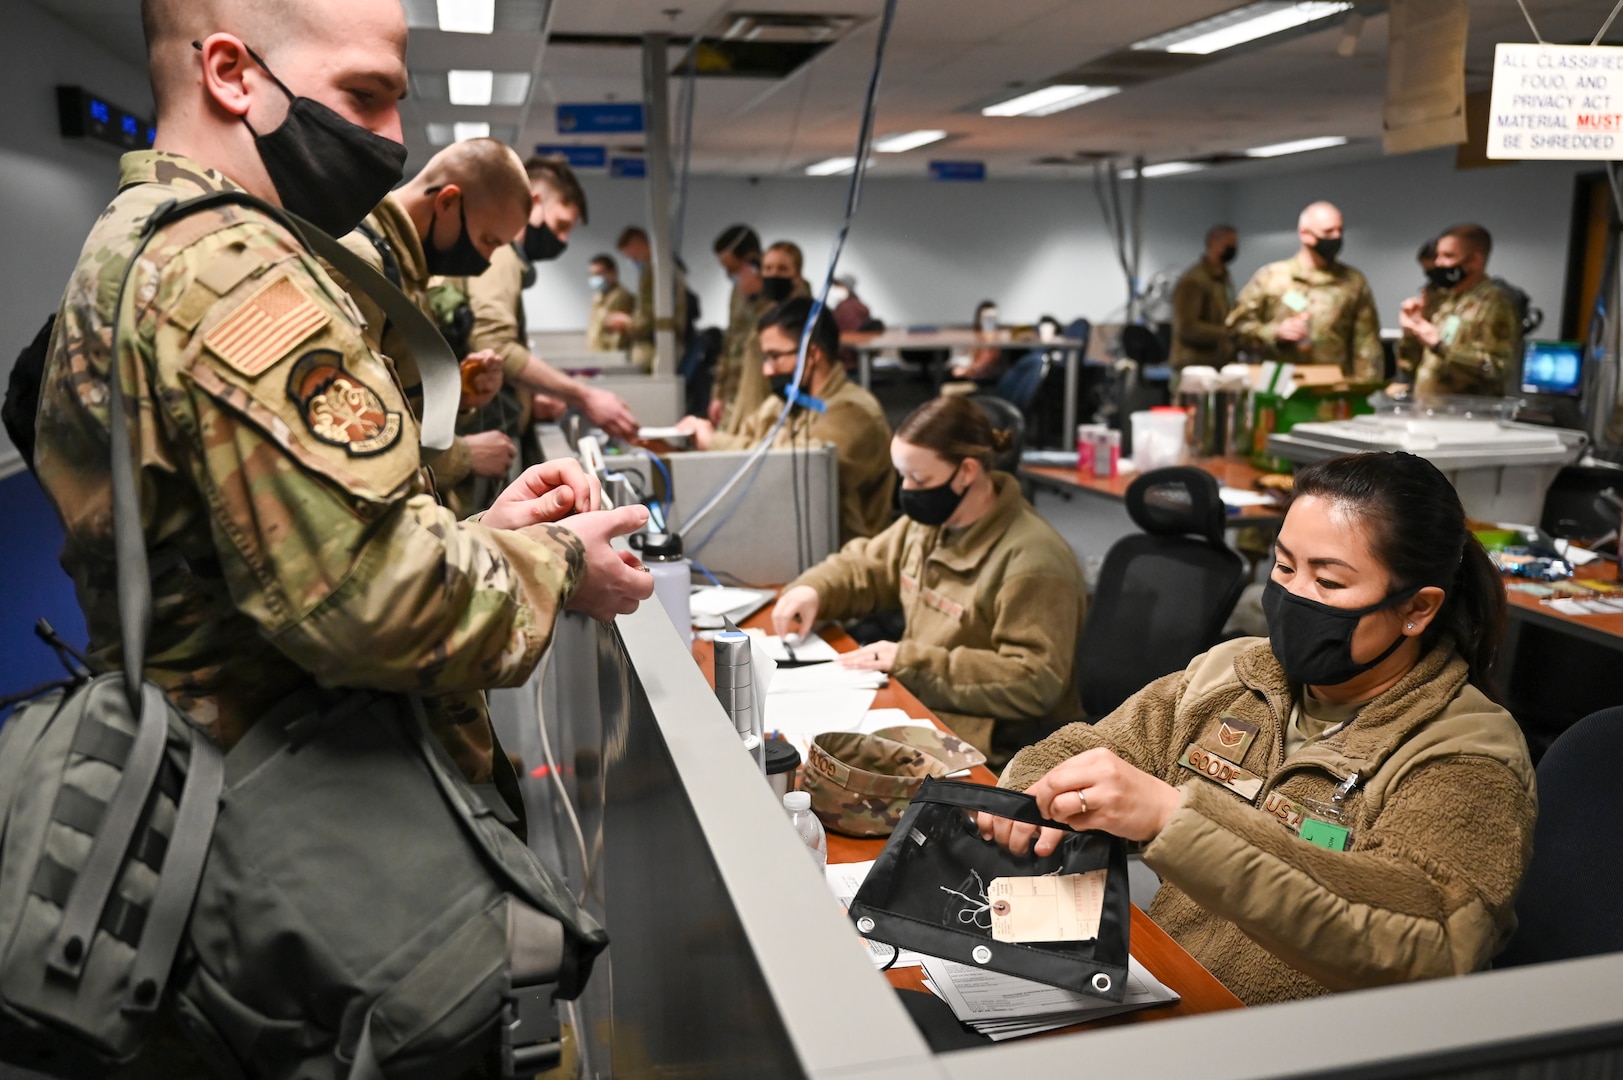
<point x="345" y="904"/>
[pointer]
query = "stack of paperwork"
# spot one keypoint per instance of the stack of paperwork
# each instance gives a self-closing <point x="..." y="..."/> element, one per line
<point x="1003" y="1007"/>
<point x="804" y="702"/>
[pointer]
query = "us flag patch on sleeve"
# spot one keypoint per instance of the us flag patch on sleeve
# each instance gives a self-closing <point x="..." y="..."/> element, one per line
<point x="277" y="317"/>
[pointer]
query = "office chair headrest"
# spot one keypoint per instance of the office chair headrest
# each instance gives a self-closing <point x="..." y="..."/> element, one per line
<point x="1177" y="501"/>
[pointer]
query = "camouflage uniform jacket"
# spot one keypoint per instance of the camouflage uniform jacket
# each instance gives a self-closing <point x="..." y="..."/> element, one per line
<point x="1344" y="330"/>
<point x="617" y="300"/>
<point x="1479" y="331"/>
<point x="293" y="540"/>
<point x="640" y="335"/>
<point x="496" y="298"/>
<point x="853" y="420"/>
<point x="993" y="611"/>
<point x="1200" y="303"/>
<point x="394" y="227"/>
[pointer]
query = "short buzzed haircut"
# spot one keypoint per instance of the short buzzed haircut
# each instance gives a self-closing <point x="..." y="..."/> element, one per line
<point x="172" y="25"/>
<point x="1427" y="252"/>
<point x="605" y="260"/>
<point x="1474" y="237"/>
<point x="487" y="168"/>
<point x="791" y="317"/>
<point x="556" y="175"/>
<point x="740" y="240"/>
<point x="1313" y="209"/>
<point x="1217" y="230"/>
<point x="628" y="234"/>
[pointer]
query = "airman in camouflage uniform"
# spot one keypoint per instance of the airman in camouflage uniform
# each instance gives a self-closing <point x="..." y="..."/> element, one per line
<point x="642" y="323"/>
<point x="738" y="249"/>
<point x="830" y="409"/>
<point x="293" y="539"/>
<point x="1310" y="308"/>
<point x="487" y="175"/>
<point x="1460" y="335"/>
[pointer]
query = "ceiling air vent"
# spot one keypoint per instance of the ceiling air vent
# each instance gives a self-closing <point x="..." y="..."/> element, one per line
<point x="764" y="45"/>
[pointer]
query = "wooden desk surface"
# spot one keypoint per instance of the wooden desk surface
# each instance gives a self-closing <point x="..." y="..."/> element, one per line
<point x="953" y="339"/>
<point x="1198" y="990"/>
<point x="1230" y="472"/>
<point x="1603" y="629"/>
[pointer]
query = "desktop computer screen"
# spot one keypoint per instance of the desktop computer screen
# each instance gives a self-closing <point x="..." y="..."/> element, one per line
<point x="1553" y="367"/>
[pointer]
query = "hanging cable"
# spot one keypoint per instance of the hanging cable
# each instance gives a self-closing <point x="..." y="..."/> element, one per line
<point x="852" y="200"/>
<point x="684" y="109"/>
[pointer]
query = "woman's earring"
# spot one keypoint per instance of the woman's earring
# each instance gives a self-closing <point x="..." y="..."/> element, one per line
<point x="1409" y="626"/>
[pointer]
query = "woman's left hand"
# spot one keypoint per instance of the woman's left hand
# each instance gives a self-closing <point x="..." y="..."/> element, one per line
<point x="880" y="656"/>
<point x="1098" y="790"/>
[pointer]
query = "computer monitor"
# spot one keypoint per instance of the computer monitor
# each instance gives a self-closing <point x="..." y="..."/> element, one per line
<point x="1553" y="367"/>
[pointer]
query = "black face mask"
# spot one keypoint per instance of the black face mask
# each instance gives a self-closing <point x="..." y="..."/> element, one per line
<point x="780" y="384"/>
<point x="1328" y="246"/>
<point x="777" y="289"/>
<point x="1446" y="277"/>
<point x="541" y="244"/>
<point x="931" y="506"/>
<point x="325" y="169"/>
<point x="1228" y="253"/>
<point x="462" y="259"/>
<point x="1313" y="641"/>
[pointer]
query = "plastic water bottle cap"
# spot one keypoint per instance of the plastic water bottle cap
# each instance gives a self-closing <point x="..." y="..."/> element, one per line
<point x="797" y="800"/>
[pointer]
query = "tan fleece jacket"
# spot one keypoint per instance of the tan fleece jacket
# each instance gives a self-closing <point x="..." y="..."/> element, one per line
<point x="992" y="612"/>
<point x="1441" y="819"/>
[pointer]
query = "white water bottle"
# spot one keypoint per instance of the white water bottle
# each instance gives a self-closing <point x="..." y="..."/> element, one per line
<point x="673" y="578"/>
<point x="798" y="803"/>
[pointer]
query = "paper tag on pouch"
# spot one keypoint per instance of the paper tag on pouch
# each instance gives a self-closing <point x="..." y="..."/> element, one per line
<point x="1047" y="908"/>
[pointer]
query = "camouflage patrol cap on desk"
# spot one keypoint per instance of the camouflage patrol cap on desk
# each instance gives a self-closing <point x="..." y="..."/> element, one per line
<point x="953" y="752"/>
<point x="860" y="784"/>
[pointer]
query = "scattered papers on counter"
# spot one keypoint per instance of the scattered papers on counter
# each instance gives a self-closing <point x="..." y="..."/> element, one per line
<point x="845" y="879"/>
<point x="1003" y="1007"/>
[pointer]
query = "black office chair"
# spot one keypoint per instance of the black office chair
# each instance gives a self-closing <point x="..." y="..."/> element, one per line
<point x="1568" y="905"/>
<point x="1163" y="595"/>
<point x="1004" y="417"/>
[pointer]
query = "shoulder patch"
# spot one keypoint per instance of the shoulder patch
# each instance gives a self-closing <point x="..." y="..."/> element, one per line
<point x="266" y="327"/>
<point x="340" y="409"/>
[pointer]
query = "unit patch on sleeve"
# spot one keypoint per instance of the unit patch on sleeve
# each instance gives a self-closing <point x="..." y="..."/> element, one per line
<point x="266" y="327"/>
<point x="339" y="408"/>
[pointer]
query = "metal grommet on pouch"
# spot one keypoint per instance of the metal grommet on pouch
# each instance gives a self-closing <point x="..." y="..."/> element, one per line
<point x="982" y="954"/>
<point x="1101" y="982"/>
<point x="865" y="925"/>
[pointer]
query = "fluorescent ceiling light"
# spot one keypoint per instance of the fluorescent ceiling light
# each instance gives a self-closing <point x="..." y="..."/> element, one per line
<point x="510" y="88"/>
<point x="467" y="16"/>
<point x="1048" y="100"/>
<point x="907" y="140"/>
<point x="1258" y="20"/>
<point x="833" y="166"/>
<point x="1165" y="168"/>
<point x="470" y="129"/>
<point x="1297" y="146"/>
<point x="470" y="87"/>
<point x="440" y="134"/>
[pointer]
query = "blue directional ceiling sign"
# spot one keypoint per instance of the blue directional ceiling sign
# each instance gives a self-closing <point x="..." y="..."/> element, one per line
<point x="600" y="118"/>
<point x="579" y="157"/>
<point x="957" y="170"/>
<point x="628" y="168"/>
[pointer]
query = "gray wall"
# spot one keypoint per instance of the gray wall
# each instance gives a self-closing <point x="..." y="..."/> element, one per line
<point x="51" y="188"/>
<point x="928" y="252"/>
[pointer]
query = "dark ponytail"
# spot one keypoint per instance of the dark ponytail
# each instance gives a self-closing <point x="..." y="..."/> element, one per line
<point x="1417" y="529"/>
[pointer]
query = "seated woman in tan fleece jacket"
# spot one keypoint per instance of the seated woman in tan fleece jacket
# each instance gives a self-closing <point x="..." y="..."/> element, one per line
<point x="1344" y="804"/>
<point x="992" y="596"/>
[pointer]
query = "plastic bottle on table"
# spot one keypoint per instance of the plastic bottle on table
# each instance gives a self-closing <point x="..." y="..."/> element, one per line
<point x="798" y="804"/>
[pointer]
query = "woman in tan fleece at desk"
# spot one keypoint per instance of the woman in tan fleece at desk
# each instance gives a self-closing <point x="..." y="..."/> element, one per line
<point x="1344" y="804"/>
